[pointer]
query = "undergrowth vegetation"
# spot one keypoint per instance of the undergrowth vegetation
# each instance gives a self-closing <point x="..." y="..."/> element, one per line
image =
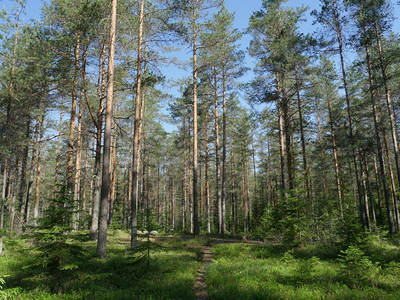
<point x="369" y="270"/>
<point x="170" y="275"/>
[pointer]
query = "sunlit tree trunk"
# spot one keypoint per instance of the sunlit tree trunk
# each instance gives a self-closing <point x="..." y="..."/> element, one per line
<point x="38" y="170"/>
<point x="136" y="134"/>
<point x="105" y="187"/>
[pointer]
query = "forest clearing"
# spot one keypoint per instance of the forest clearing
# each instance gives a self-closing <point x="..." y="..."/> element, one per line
<point x="199" y="149"/>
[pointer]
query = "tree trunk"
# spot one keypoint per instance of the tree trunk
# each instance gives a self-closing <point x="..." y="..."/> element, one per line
<point x="71" y="140"/>
<point x="392" y="228"/>
<point x="389" y="104"/>
<point x="8" y="119"/>
<point x="78" y="161"/>
<point x="184" y="179"/>
<point x="303" y="142"/>
<point x="98" y="124"/>
<point x="22" y="188"/>
<point x="379" y="188"/>
<point x="105" y="187"/>
<point x="351" y="133"/>
<point x="207" y="175"/>
<point x="58" y="147"/>
<point x="38" y="169"/>
<point x="335" y="160"/>
<point x="136" y="135"/>
<point x="281" y="139"/>
<point x="224" y="135"/>
<point x="196" y="226"/>
<point x="217" y="156"/>
<point x="392" y="184"/>
<point x="84" y="200"/>
<point x="32" y="174"/>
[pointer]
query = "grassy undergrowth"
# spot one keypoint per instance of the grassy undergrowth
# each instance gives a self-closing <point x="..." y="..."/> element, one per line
<point x="243" y="271"/>
<point x="170" y="274"/>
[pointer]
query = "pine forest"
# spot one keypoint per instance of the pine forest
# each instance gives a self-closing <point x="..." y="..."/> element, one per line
<point x="199" y="149"/>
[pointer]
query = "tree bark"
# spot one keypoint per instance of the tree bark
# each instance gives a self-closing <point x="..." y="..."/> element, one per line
<point x="349" y="113"/>
<point x="335" y="160"/>
<point x="105" y="187"/>
<point x="217" y="156"/>
<point x="136" y="135"/>
<point x="97" y="163"/>
<point x="38" y="169"/>
<point x="378" y="141"/>
<point x="224" y="137"/>
<point x="196" y="226"/>
<point x="71" y="139"/>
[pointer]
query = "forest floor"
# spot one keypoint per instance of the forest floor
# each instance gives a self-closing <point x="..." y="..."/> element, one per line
<point x="183" y="267"/>
<point x="200" y="285"/>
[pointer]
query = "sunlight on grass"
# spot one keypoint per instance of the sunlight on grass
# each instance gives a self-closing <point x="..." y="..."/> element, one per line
<point x="242" y="271"/>
<point x="170" y="275"/>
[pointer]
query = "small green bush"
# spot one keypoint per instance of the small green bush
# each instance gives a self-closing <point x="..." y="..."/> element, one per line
<point x="305" y="270"/>
<point x="357" y="269"/>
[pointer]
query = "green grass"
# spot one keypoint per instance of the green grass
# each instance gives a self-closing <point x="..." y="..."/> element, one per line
<point x="170" y="275"/>
<point x="242" y="271"/>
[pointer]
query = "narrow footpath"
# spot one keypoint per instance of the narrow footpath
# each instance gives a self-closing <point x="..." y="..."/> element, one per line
<point x="200" y="286"/>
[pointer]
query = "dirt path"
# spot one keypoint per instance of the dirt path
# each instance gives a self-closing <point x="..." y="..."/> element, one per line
<point x="200" y="287"/>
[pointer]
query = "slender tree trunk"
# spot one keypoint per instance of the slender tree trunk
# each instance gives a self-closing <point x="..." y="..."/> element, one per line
<point x="196" y="226"/>
<point x="223" y="187"/>
<point x="136" y="136"/>
<point x="364" y="185"/>
<point x="349" y="113"/>
<point x="233" y="187"/>
<point x="32" y="174"/>
<point x="217" y="156"/>
<point x="281" y="139"/>
<point x="389" y="104"/>
<point x="378" y="188"/>
<point x="303" y="142"/>
<point x="13" y="193"/>
<point x="38" y="169"/>
<point x="324" y="181"/>
<point x="173" y="202"/>
<point x="370" y="194"/>
<point x="392" y="184"/>
<point x="98" y="124"/>
<point x="288" y="140"/>
<point x="335" y="160"/>
<point x="113" y="174"/>
<point x="207" y="179"/>
<point x="105" y="187"/>
<point x="71" y="139"/>
<point x="142" y="143"/>
<point x="184" y="180"/>
<point x="84" y="200"/>
<point x="378" y="141"/>
<point x="22" y="188"/>
<point x="58" y="148"/>
<point x="8" y="119"/>
<point x="78" y="162"/>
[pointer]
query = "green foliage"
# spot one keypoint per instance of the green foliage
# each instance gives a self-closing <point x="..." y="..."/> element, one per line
<point x="7" y="293"/>
<point x="2" y="281"/>
<point x="57" y="253"/>
<point x="306" y="269"/>
<point x="143" y="251"/>
<point x="266" y="272"/>
<point x="350" y="229"/>
<point x="171" y="275"/>
<point x="357" y="268"/>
